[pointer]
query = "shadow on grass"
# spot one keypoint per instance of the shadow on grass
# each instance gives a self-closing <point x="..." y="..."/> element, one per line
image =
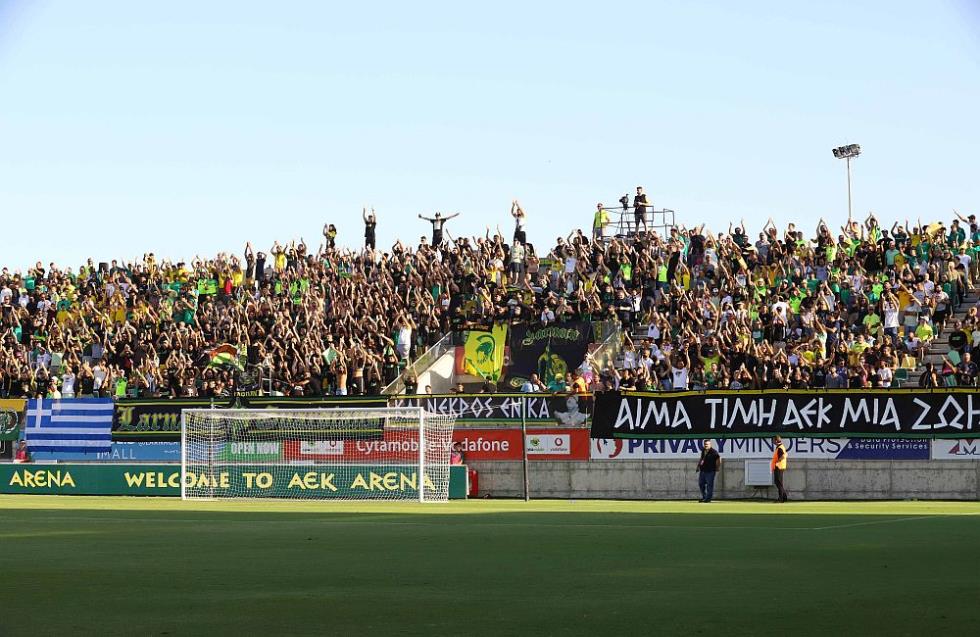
<point x="481" y="568"/>
<point x="799" y="516"/>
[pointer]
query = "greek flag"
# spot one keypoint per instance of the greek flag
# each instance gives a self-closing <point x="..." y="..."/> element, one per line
<point x="69" y="426"/>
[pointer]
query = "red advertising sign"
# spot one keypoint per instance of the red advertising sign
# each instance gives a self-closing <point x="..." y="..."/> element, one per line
<point x="505" y="444"/>
<point x="478" y="444"/>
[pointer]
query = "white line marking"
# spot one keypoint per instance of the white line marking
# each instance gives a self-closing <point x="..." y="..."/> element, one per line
<point x="890" y="521"/>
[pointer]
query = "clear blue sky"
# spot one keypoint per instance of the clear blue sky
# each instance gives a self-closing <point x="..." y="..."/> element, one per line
<point x="189" y="127"/>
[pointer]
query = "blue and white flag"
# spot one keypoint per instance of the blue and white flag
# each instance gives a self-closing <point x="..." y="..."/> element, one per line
<point x="69" y="426"/>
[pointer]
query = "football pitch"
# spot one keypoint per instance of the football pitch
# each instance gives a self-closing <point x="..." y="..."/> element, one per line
<point x="128" y="566"/>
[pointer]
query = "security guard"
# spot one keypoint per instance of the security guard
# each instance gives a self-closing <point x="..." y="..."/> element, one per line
<point x="778" y="466"/>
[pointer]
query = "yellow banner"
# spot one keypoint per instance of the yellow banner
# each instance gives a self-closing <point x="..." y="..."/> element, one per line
<point x="483" y="352"/>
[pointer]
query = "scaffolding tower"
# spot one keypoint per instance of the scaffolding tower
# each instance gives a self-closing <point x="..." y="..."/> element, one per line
<point x="624" y="223"/>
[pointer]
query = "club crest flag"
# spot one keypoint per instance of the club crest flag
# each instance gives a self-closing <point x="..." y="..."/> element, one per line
<point x="483" y="352"/>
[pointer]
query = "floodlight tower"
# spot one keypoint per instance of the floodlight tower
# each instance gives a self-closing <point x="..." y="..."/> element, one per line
<point x="847" y="153"/>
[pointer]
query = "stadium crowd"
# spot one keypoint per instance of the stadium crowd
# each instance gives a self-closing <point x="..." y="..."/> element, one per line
<point x="719" y="310"/>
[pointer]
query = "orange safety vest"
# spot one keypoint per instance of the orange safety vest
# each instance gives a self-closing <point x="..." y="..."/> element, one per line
<point x="778" y="463"/>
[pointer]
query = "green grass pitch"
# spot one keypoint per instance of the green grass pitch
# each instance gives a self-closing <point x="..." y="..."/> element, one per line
<point x="118" y="566"/>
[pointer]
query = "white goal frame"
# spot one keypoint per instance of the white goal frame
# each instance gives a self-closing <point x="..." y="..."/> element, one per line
<point x="405" y="415"/>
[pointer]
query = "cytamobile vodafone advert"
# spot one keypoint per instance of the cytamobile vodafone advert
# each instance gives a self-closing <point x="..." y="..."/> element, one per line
<point x="477" y="444"/>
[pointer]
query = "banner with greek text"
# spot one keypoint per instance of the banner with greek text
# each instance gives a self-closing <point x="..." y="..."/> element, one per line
<point x="480" y="410"/>
<point x="893" y="413"/>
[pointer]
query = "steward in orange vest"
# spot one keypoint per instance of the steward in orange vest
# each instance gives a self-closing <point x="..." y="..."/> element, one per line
<point x="778" y="466"/>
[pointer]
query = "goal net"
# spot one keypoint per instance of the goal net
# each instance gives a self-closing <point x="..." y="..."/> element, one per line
<point x="312" y="454"/>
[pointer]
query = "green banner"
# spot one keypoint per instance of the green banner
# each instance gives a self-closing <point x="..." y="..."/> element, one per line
<point x="9" y="425"/>
<point x="251" y="481"/>
<point x="10" y="411"/>
<point x="263" y="451"/>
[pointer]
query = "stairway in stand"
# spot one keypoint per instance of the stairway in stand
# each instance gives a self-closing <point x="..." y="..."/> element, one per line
<point x="940" y="345"/>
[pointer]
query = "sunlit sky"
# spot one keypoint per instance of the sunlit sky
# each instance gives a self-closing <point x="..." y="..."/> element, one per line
<point x="187" y="128"/>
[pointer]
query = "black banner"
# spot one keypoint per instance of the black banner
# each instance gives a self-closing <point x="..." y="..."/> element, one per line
<point x="153" y="420"/>
<point x="480" y="410"/>
<point x="159" y="420"/>
<point x="834" y="413"/>
<point x="550" y="352"/>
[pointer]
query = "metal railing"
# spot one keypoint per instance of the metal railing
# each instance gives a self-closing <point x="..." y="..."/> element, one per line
<point x="421" y="363"/>
<point x="623" y="222"/>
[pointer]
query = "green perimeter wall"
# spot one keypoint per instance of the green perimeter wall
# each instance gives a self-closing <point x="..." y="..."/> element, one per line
<point x="253" y="481"/>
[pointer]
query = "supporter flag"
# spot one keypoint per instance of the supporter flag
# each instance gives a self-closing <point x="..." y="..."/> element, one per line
<point x="207" y="286"/>
<point x="225" y="356"/>
<point x="11" y="410"/>
<point x="483" y="352"/>
<point x="69" y="426"/>
<point x="550" y="352"/>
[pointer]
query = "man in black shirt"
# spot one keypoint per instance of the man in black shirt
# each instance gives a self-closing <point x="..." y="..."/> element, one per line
<point x="708" y="466"/>
<point x="640" y="209"/>
<point x="437" y="224"/>
<point x="370" y="225"/>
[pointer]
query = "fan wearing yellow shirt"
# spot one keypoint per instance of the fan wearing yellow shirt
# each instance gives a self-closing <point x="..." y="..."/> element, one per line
<point x="923" y="336"/>
<point x="856" y="349"/>
<point x="872" y="323"/>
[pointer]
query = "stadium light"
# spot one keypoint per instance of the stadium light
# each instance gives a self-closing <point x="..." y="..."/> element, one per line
<point x="847" y="153"/>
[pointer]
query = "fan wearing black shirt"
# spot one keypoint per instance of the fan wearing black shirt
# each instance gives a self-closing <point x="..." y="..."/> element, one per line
<point x="437" y="225"/>
<point x="640" y="209"/>
<point x="370" y="225"/>
<point x="708" y="466"/>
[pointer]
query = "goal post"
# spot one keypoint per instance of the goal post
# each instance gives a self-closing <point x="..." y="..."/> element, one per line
<point x="391" y="453"/>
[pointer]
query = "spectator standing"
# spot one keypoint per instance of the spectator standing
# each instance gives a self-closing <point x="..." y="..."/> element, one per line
<point x="438" y="222"/>
<point x="457" y="457"/>
<point x="708" y="466"/>
<point x="778" y="466"/>
<point x="370" y="228"/>
<point x="520" y="221"/>
<point x="640" y="209"/>
<point x="517" y="254"/>
<point x="22" y="455"/>
<point x="599" y="222"/>
<point x="330" y="234"/>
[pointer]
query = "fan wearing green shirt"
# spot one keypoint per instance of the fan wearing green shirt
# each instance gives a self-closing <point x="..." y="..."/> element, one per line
<point x="872" y="323"/>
